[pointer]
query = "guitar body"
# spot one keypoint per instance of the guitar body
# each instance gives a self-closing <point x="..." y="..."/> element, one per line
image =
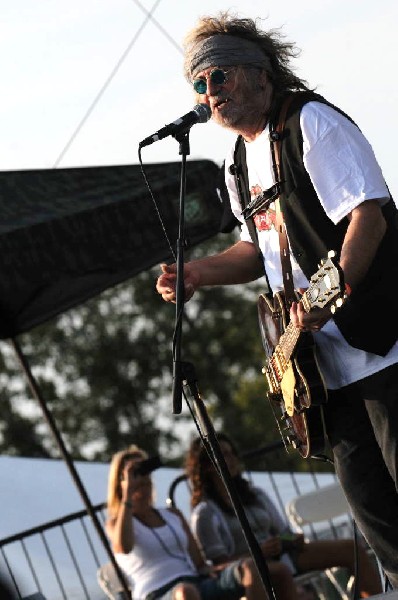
<point x="295" y="388"/>
<point x="294" y="380"/>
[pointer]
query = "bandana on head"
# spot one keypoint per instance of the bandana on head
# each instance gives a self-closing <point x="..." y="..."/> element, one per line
<point x="227" y="50"/>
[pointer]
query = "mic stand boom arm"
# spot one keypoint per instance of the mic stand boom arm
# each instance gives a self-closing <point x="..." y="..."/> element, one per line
<point x="212" y="446"/>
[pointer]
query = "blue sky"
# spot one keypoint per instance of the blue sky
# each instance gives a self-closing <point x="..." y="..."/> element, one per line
<point x="84" y="82"/>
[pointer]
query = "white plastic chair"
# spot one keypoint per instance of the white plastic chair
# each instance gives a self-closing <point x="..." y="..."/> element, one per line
<point x="322" y="506"/>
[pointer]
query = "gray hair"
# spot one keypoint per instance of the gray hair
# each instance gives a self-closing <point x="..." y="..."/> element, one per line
<point x="266" y="48"/>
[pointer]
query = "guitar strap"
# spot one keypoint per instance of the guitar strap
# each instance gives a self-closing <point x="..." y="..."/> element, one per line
<point x="239" y="170"/>
<point x="276" y="137"/>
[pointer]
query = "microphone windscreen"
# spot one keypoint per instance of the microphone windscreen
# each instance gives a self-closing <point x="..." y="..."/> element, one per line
<point x="203" y="111"/>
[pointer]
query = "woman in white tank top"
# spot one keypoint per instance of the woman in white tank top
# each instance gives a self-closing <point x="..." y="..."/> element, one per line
<point x="155" y="548"/>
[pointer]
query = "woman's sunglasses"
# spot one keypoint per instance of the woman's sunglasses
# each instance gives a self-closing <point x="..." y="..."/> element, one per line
<point x="216" y="76"/>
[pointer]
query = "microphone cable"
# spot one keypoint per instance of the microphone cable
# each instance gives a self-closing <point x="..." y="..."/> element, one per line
<point x="156" y="206"/>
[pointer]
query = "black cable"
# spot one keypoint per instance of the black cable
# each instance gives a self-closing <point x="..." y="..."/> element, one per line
<point x="322" y="458"/>
<point x="157" y="209"/>
<point x="387" y="584"/>
<point x="355" y="591"/>
<point x="105" y="86"/>
<point x="158" y="25"/>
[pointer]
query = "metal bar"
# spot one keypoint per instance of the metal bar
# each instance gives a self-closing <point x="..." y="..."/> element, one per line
<point x="57" y="575"/>
<point x="11" y="573"/>
<point x="276" y="491"/>
<point x="36" y="580"/>
<point x="314" y="476"/>
<point x="49" y="525"/>
<point x="90" y="543"/>
<point x="295" y="484"/>
<point x="73" y="557"/>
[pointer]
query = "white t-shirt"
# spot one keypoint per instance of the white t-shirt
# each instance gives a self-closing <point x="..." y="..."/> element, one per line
<point x="344" y="173"/>
<point x="159" y="556"/>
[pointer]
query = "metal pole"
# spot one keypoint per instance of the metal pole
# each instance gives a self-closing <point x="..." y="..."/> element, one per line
<point x="68" y="461"/>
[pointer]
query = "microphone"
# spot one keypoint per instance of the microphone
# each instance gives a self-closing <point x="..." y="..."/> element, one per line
<point x="201" y="113"/>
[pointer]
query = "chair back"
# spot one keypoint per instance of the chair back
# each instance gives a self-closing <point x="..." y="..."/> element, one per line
<point x="176" y="485"/>
<point x="319" y="505"/>
<point x="109" y="582"/>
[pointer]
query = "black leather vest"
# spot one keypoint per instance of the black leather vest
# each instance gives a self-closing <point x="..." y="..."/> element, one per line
<point x="368" y="320"/>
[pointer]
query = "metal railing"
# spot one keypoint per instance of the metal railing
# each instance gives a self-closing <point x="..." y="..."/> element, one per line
<point x="60" y="558"/>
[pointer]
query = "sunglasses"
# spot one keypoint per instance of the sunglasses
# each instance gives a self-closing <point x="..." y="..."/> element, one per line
<point x="216" y="76"/>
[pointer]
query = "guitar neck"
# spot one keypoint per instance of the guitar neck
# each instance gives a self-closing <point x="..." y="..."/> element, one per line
<point x="326" y="286"/>
<point x="288" y="340"/>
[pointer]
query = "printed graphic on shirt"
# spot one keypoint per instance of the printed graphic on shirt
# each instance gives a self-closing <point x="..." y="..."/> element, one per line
<point x="265" y="219"/>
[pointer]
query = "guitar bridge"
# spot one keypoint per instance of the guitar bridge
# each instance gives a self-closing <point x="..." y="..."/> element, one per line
<point x="287" y="432"/>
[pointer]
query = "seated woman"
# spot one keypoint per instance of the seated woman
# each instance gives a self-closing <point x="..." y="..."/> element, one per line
<point x="155" y="547"/>
<point x="220" y="536"/>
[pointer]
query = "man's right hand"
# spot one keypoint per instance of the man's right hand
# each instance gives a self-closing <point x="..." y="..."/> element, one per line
<point x="166" y="283"/>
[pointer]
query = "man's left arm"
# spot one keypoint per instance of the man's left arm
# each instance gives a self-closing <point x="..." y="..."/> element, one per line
<point x="365" y="231"/>
<point x="364" y="234"/>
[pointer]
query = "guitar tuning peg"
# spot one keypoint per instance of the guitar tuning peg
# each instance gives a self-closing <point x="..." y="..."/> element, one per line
<point x="331" y="254"/>
<point x="332" y="309"/>
<point x="339" y="302"/>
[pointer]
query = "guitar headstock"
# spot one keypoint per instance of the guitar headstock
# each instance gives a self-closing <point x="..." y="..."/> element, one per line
<point x="326" y="286"/>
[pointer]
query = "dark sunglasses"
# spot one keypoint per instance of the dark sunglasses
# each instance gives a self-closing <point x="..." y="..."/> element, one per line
<point x="216" y="76"/>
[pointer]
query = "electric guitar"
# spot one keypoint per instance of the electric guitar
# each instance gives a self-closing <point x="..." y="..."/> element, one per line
<point x="295" y="383"/>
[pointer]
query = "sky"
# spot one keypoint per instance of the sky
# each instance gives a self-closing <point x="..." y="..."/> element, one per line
<point x="84" y="82"/>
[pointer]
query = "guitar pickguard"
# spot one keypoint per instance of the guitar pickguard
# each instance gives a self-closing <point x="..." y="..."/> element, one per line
<point x="288" y="385"/>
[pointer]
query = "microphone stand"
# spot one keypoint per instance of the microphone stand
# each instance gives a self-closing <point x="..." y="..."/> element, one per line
<point x="213" y="449"/>
<point x="183" y="138"/>
<point x="184" y="376"/>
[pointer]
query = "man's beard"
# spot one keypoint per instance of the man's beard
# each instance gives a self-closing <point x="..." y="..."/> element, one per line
<point x="241" y="109"/>
<point x="237" y="116"/>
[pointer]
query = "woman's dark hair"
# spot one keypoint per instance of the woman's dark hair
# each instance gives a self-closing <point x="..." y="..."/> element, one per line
<point x="201" y="473"/>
